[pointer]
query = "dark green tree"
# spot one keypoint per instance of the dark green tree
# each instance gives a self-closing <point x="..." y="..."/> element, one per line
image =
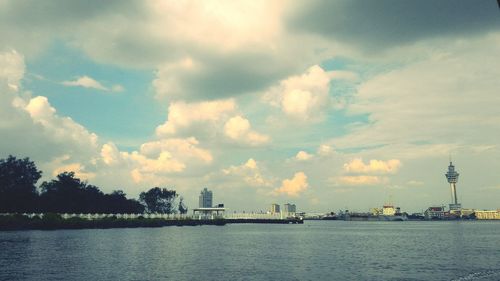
<point x="17" y="184"/>
<point x="159" y="200"/>
<point x="117" y="202"/>
<point x="68" y="194"/>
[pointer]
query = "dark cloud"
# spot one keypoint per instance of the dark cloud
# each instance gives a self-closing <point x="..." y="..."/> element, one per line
<point x="376" y="25"/>
<point x="221" y="76"/>
<point x="37" y="14"/>
<point x="29" y="26"/>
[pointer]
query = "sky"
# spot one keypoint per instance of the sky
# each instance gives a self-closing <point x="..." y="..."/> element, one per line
<point x="325" y="104"/>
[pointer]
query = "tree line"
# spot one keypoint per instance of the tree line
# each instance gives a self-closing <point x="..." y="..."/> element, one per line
<point x="68" y="194"/>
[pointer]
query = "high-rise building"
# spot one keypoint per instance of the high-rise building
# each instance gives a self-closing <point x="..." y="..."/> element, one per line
<point x="205" y="199"/>
<point x="289" y="208"/>
<point x="275" y="208"/>
<point x="452" y="177"/>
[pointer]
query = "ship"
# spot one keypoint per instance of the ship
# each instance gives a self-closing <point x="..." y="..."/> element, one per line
<point x="330" y="216"/>
<point x="389" y="213"/>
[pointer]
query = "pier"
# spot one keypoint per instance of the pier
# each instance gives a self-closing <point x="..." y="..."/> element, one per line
<point x="89" y="221"/>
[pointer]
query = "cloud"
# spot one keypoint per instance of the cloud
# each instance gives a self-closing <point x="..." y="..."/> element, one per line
<point x="294" y="186"/>
<point x="415" y="183"/>
<point x="77" y="168"/>
<point x="210" y="118"/>
<point x="182" y="115"/>
<point x="221" y="76"/>
<point x="88" y="82"/>
<point x="12" y="70"/>
<point x="110" y="153"/>
<point x="303" y="97"/>
<point x="250" y="172"/>
<point x="239" y="129"/>
<point x="59" y="128"/>
<point x="117" y="88"/>
<point x="325" y="150"/>
<point x="303" y="156"/>
<point x="183" y="149"/>
<point x="374" y="166"/>
<point x="358" y="173"/>
<point x="30" y="126"/>
<point x="156" y="161"/>
<point x="163" y="163"/>
<point x="380" y="25"/>
<point x="448" y="98"/>
<point x="236" y="48"/>
<point x="361" y="180"/>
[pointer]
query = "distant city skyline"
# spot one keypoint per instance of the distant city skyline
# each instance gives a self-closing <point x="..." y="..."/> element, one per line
<point x="261" y="102"/>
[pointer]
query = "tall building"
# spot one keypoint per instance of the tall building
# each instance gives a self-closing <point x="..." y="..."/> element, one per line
<point x="275" y="208"/>
<point x="452" y="177"/>
<point x="205" y="199"/>
<point x="289" y="208"/>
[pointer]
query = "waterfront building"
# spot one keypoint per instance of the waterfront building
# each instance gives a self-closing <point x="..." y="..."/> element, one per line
<point x="205" y="199"/>
<point x="275" y="208"/>
<point x="289" y="208"/>
<point x="433" y="213"/>
<point x="452" y="177"/>
<point x="488" y="215"/>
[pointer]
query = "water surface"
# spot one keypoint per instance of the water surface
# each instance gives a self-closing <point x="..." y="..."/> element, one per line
<point x="317" y="250"/>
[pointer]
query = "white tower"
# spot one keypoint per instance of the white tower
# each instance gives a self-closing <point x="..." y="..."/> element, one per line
<point x="452" y="177"/>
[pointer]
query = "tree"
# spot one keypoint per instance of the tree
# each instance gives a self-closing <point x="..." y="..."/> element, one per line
<point x="159" y="200"/>
<point x="17" y="184"/>
<point x="68" y="194"/>
<point x="182" y="207"/>
<point x="117" y="202"/>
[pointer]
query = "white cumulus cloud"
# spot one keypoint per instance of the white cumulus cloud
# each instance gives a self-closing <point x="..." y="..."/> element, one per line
<point x="182" y="115"/>
<point x="294" y="186"/>
<point x="374" y="166"/>
<point x="89" y="82"/>
<point x="250" y="172"/>
<point x="361" y="180"/>
<point x="303" y="97"/>
<point x="303" y="156"/>
<point x="239" y="129"/>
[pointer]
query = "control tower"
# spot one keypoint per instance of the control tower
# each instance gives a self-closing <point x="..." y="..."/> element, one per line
<point x="452" y="177"/>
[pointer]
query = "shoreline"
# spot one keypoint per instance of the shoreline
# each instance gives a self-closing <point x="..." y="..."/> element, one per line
<point x="55" y="222"/>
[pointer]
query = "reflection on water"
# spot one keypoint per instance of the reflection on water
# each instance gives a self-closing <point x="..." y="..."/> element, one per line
<point x="317" y="250"/>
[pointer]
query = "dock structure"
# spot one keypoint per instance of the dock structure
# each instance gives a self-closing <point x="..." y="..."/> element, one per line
<point x="269" y="221"/>
<point x="209" y="213"/>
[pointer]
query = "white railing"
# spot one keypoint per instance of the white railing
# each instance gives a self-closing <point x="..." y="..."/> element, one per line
<point x="102" y="216"/>
<point x="265" y="216"/>
<point x="96" y="216"/>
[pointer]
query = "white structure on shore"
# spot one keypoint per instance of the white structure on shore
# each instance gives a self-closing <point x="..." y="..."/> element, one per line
<point x="205" y="199"/>
<point x="289" y="210"/>
<point x="275" y="208"/>
<point x="452" y="177"/>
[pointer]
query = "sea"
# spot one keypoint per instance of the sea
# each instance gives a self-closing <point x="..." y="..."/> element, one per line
<point x="315" y="250"/>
